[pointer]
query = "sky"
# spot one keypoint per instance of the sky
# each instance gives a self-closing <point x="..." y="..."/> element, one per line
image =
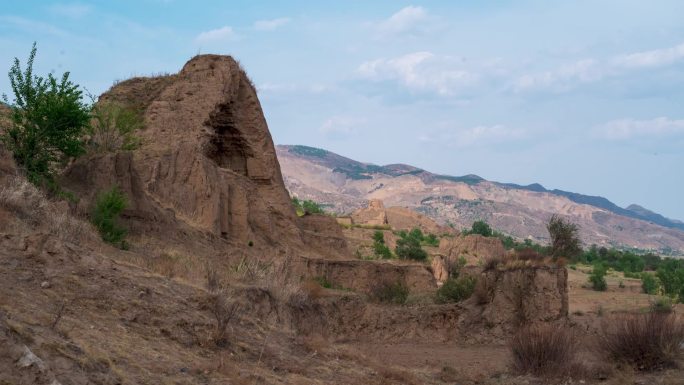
<point x="583" y="95"/>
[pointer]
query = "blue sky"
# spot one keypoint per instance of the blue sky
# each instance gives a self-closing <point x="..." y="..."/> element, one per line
<point x="579" y="95"/>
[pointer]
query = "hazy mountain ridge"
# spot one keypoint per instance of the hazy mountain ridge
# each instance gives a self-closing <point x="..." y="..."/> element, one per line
<point x="355" y="169"/>
<point x="346" y="184"/>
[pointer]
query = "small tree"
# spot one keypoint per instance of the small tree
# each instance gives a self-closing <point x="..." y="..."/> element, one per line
<point x="48" y="119"/>
<point x="481" y="228"/>
<point x="564" y="235"/>
<point x="649" y="283"/>
<point x="379" y="247"/>
<point x="408" y="246"/>
<point x="113" y="128"/>
<point x="598" y="277"/>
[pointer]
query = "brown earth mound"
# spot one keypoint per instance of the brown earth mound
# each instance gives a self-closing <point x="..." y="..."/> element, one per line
<point x="398" y="218"/>
<point x="207" y="160"/>
<point x="508" y="297"/>
<point x="473" y="247"/>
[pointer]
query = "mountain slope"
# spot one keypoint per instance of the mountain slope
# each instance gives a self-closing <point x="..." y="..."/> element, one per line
<point x="345" y="184"/>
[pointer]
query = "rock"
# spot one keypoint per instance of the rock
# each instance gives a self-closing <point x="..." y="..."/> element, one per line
<point x="29" y="359"/>
<point x="373" y="215"/>
<point x="514" y="296"/>
<point x="440" y="269"/>
<point x="207" y="161"/>
<point x="45" y="285"/>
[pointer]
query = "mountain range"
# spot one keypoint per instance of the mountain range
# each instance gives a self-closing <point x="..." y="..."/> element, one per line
<point x="344" y="184"/>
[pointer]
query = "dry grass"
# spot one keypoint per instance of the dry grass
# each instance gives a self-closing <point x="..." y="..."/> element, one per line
<point x="224" y="308"/>
<point x="544" y="350"/>
<point x="520" y="260"/>
<point x="648" y="341"/>
<point x="32" y="208"/>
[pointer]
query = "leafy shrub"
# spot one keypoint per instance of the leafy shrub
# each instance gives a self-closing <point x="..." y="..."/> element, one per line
<point x="379" y="247"/>
<point x="431" y="240"/>
<point x="481" y="228"/>
<point x="408" y="246"/>
<point x="597" y="278"/>
<point x="48" y="119"/>
<point x="671" y="277"/>
<point x="543" y="350"/>
<point x="649" y="283"/>
<point x="456" y="289"/>
<point x="113" y="128"/>
<point x="662" y="305"/>
<point x="389" y="292"/>
<point x="323" y="282"/>
<point x="108" y="207"/>
<point x="648" y="341"/>
<point x="306" y="207"/>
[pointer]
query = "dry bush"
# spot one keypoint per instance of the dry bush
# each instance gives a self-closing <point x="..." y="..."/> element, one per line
<point x="224" y="308"/>
<point x="647" y="341"/>
<point x="69" y="228"/>
<point x="528" y="255"/>
<point x="23" y="199"/>
<point x="252" y="270"/>
<point x="386" y="291"/>
<point x="214" y="282"/>
<point x="544" y="350"/>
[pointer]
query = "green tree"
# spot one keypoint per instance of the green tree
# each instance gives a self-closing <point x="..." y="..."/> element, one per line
<point x="649" y="283"/>
<point x="481" y="228"/>
<point x="48" y="120"/>
<point x="597" y="278"/>
<point x="379" y="247"/>
<point x="564" y="235"/>
<point x="408" y="245"/>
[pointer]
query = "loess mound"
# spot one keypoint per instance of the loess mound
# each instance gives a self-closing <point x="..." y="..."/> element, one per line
<point x="207" y="160"/>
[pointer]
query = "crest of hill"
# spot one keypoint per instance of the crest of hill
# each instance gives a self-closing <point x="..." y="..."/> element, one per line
<point x="357" y="170"/>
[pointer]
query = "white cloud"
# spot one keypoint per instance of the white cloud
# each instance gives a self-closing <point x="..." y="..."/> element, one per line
<point x="420" y="71"/>
<point x="73" y="11"/>
<point x="570" y="76"/>
<point x="285" y="88"/>
<point x="563" y="78"/>
<point x="453" y="136"/>
<point x="625" y="129"/>
<point x="220" y="34"/>
<point x="406" y="20"/>
<point x="270" y="25"/>
<point x="653" y="58"/>
<point x="341" y="126"/>
<point x="33" y="26"/>
<point x="480" y="135"/>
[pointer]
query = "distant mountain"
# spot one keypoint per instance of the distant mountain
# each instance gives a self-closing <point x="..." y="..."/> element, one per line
<point x="346" y="184"/>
